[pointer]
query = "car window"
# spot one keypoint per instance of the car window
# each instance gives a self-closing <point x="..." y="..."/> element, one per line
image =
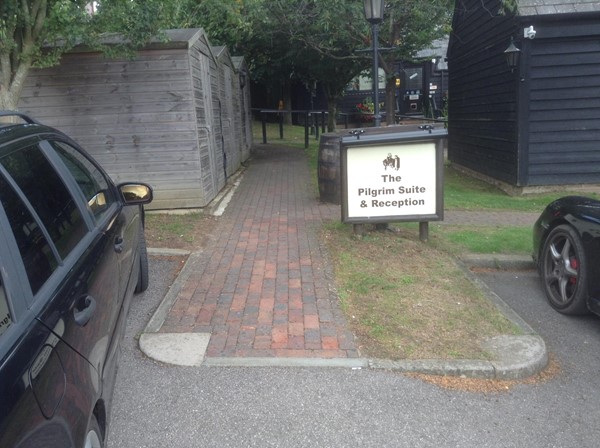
<point x="48" y="195"/>
<point x="5" y="317"/>
<point x="90" y="179"/>
<point x="38" y="258"/>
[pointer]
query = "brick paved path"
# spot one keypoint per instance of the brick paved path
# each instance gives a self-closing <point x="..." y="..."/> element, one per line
<point x="262" y="288"/>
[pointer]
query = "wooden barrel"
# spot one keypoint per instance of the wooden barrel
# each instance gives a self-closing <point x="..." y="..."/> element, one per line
<point x="329" y="168"/>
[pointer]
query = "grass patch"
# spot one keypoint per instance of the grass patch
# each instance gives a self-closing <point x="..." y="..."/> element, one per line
<point x="177" y="231"/>
<point x="292" y="136"/>
<point x="458" y="239"/>
<point x="408" y="300"/>
<point x="485" y="240"/>
<point x="463" y="192"/>
<point x="482" y="240"/>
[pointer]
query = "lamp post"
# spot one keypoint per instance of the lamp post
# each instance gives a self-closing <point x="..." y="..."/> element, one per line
<point x="374" y="15"/>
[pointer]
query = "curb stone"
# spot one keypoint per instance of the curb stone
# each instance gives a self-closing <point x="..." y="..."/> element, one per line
<point x="499" y="261"/>
<point x="515" y="357"/>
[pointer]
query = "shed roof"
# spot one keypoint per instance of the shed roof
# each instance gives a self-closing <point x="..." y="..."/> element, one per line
<point x="238" y="62"/>
<point x="437" y="48"/>
<point x="183" y="38"/>
<point x="545" y="7"/>
<point x="178" y="38"/>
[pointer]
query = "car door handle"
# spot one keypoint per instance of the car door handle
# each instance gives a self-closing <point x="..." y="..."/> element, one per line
<point x="119" y="244"/>
<point x="84" y="310"/>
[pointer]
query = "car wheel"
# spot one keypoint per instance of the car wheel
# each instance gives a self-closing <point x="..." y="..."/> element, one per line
<point x="142" y="283"/>
<point x="93" y="438"/>
<point x="563" y="271"/>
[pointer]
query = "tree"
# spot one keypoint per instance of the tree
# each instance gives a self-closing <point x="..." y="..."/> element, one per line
<point x="316" y="40"/>
<point x="410" y="26"/>
<point x="321" y="38"/>
<point x="35" y="33"/>
<point x="227" y="22"/>
<point x="309" y="41"/>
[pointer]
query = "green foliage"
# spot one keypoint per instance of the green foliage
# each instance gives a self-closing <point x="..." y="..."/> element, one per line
<point x="35" y="33"/>
<point x="313" y="40"/>
<point x="467" y="193"/>
<point x="509" y="6"/>
<point x="227" y="22"/>
<point x="486" y="240"/>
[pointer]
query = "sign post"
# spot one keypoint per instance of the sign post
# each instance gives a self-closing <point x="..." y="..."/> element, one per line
<point x="393" y="177"/>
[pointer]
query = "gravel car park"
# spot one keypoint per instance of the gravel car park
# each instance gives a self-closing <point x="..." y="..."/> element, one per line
<point x="72" y="253"/>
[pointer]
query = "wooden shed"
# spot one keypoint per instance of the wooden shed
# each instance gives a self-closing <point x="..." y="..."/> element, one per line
<point x="230" y="142"/>
<point x="165" y="117"/>
<point x="537" y="124"/>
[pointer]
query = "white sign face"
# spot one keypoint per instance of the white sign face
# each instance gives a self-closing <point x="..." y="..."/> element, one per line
<point x="391" y="180"/>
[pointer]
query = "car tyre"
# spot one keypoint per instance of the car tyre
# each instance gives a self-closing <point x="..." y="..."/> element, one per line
<point x="93" y="437"/>
<point x="563" y="271"/>
<point x="143" y="279"/>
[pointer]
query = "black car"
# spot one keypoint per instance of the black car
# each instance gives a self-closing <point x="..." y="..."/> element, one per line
<point x="72" y="253"/>
<point x="566" y="248"/>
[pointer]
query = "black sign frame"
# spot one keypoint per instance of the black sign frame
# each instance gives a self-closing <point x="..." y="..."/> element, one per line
<point x="393" y="138"/>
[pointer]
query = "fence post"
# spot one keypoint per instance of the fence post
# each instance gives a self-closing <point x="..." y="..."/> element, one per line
<point x="323" y="115"/>
<point x="316" y="125"/>
<point x="306" y="118"/>
<point x="281" y="125"/>
<point x="264" y="126"/>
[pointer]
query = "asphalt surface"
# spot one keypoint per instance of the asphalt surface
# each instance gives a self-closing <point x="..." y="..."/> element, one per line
<point x="159" y="405"/>
<point x="573" y="339"/>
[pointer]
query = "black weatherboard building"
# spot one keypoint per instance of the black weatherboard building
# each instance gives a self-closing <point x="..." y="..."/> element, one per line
<point x="421" y="85"/>
<point x="536" y="124"/>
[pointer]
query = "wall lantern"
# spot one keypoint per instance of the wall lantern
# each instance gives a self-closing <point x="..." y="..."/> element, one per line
<point x="374" y="11"/>
<point x="512" y="54"/>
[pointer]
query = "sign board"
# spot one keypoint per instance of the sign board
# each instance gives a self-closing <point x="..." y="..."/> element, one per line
<point x="392" y="177"/>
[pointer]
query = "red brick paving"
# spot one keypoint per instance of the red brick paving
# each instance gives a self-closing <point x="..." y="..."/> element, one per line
<point x="263" y="289"/>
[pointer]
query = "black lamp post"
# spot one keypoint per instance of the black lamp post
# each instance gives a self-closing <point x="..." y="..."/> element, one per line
<point x="374" y="15"/>
<point x="512" y="54"/>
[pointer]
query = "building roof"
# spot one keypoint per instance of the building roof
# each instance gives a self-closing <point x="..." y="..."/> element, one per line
<point x="545" y="7"/>
<point x="238" y="62"/>
<point x="170" y="39"/>
<point x="437" y="48"/>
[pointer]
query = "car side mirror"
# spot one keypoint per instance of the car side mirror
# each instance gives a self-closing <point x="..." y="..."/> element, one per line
<point x="135" y="193"/>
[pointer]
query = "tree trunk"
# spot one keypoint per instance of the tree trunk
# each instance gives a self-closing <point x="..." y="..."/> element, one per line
<point x="332" y="112"/>
<point x="331" y="109"/>
<point x="8" y="101"/>
<point x="10" y="89"/>
<point x="390" y="100"/>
